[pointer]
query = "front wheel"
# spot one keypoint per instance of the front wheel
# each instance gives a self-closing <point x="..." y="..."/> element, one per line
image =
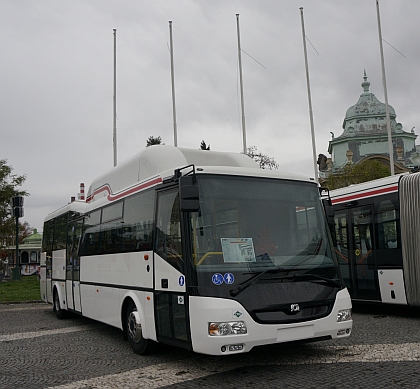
<point x="138" y="344"/>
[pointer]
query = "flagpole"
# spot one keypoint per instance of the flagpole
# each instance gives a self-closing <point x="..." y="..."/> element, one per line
<point x="173" y="86"/>
<point x="388" y="121"/>
<point x="309" y="98"/>
<point x="114" y="136"/>
<point x="241" y="87"/>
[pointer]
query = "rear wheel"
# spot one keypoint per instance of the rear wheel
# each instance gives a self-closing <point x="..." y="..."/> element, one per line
<point x="138" y="344"/>
<point x="60" y="313"/>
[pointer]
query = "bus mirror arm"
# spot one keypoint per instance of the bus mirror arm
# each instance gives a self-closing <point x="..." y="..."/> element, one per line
<point x="329" y="212"/>
<point x="188" y="190"/>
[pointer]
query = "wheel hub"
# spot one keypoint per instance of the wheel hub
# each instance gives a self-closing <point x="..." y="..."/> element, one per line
<point x="134" y="326"/>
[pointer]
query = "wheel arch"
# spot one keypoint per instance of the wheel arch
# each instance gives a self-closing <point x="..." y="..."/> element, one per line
<point x="59" y="288"/>
<point x="132" y="297"/>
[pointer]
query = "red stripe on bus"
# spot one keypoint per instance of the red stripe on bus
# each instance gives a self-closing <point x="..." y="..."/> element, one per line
<point x="127" y="192"/>
<point x="365" y="194"/>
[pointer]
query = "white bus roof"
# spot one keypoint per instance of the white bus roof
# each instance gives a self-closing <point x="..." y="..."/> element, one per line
<point x="366" y="189"/>
<point x="74" y="206"/>
<point x="156" y="163"/>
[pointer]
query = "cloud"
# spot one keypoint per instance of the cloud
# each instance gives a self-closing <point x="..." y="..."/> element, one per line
<point x="57" y="80"/>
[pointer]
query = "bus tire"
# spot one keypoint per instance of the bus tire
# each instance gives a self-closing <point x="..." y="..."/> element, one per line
<point x="60" y="313"/>
<point x="134" y="332"/>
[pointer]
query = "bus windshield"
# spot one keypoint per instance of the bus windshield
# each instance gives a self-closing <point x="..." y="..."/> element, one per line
<point x="249" y="225"/>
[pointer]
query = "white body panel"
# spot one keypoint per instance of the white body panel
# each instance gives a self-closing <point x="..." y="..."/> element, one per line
<point x="49" y="291"/>
<point x="61" y="290"/>
<point x="391" y="285"/>
<point x="204" y="310"/>
<point x="126" y="269"/>
<point x="43" y="277"/>
<point x="105" y="304"/>
<point x="69" y="294"/>
<point x="105" y="280"/>
<point x="73" y="295"/>
<point x="59" y="265"/>
<point x="163" y="270"/>
<point x="76" y="295"/>
<point x="102" y="303"/>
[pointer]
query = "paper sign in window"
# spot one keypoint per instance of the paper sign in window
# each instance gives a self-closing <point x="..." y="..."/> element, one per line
<point x="238" y="250"/>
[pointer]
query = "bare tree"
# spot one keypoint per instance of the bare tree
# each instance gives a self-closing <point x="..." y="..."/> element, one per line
<point x="263" y="160"/>
<point x="203" y="146"/>
<point x="151" y="140"/>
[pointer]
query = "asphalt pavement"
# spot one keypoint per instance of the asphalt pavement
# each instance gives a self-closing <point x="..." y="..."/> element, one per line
<point x="39" y="351"/>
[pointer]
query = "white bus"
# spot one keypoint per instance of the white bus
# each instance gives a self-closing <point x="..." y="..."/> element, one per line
<point x="197" y="249"/>
<point x="377" y="239"/>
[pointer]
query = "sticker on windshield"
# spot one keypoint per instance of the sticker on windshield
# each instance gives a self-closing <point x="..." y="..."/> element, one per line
<point x="181" y="280"/>
<point x="229" y="278"/>
<point x="238" y="250"/>
<point x="217" y="279"/>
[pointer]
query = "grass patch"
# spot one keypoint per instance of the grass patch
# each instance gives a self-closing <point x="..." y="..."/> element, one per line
<point x="25" y="289"/>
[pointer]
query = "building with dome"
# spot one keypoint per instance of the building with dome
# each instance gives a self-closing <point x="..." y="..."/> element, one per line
<point x="29" y="253"/>
<point x="365" y="136"/>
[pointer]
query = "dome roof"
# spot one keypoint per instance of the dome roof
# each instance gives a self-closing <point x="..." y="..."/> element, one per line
<point x="34" y="238"/>
<point x="368" y="105"/>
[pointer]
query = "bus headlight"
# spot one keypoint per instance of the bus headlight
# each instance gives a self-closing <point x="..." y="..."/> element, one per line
<point x="227" y="328"/>
<point x="343" y="315"/>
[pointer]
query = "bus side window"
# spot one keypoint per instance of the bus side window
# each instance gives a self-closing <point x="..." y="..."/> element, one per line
<point x="90" y="239"/>
<point x="138" y="221"/>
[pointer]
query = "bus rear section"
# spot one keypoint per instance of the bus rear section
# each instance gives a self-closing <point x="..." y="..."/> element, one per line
<point x="376" y="240"/>
<point x="60" y="260"/>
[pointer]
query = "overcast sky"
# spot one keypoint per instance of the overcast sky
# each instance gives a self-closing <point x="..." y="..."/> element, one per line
<point x="56" y="74"/>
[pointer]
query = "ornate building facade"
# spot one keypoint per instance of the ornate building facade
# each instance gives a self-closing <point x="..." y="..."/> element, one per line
<point x="365" y="136"/>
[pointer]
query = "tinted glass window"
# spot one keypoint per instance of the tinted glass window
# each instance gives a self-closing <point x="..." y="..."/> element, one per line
<point x="138" y="221"/>
<point x="168" y="229"/>
<point x="60" y="232"/>
<point x="388" y="237"/>
<point x="90" y="244"/>
<point x="386" y="220"/>
<point x="248" y="225"/>
<point x="112" y="212"/>
<point x="111" y="237"/>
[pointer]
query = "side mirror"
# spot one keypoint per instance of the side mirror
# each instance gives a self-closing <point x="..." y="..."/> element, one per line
<point x="188" y="190"/>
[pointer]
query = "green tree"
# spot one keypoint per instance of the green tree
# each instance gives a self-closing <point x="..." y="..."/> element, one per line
<point x="263" y="160"/>
<point x="203" y="146"/>
<point x="9" y="184"/>
<point x="355" y="174"/>
<point x="151" y="140"/>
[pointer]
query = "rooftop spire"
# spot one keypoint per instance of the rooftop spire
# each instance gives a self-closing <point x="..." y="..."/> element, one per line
<point x="365" y="83"/>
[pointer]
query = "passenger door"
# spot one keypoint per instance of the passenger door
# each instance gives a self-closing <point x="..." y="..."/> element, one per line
<point x="171" y="302"/>
<point x="73" y="265"/>
<point x="355" y="251"/>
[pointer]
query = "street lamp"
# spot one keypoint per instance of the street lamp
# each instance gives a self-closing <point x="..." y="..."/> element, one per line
<point x="16" y="203"/>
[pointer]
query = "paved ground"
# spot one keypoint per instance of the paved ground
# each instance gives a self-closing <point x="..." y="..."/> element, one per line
<point x="39" y="351"/>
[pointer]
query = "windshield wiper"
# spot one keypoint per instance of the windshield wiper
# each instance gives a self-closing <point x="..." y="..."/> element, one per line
<point x="241" y="287"/>
<point x="314" y="277"/>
